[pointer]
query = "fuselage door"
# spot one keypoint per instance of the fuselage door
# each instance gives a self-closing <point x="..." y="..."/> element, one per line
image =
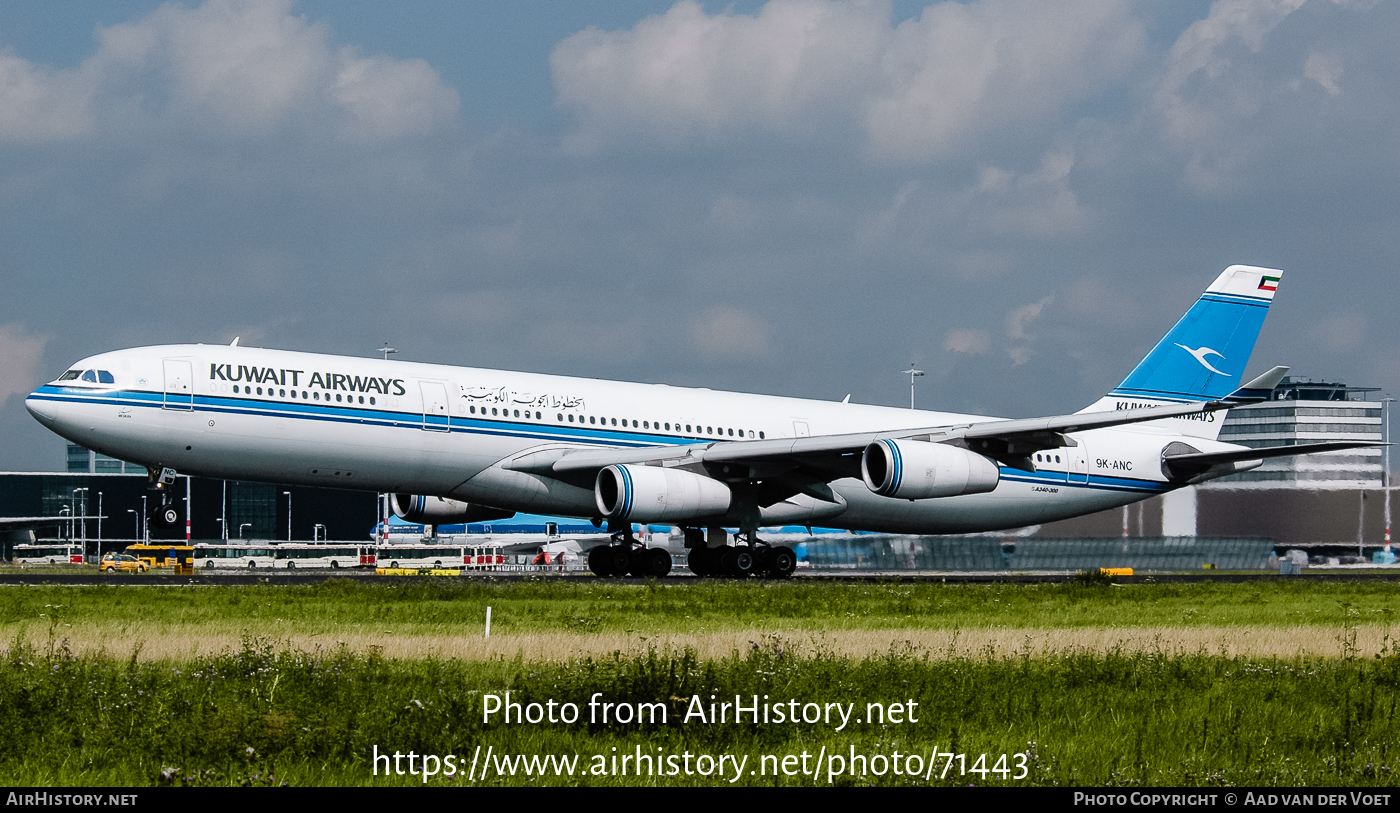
<point x="179" y="384"/>
<point x="1078" y="464"/>
<point x="800" y="429"/>
<point x="435" y="415"/>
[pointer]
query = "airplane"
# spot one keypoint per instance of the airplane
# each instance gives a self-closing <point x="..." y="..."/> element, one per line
<point x="460" y="444"/>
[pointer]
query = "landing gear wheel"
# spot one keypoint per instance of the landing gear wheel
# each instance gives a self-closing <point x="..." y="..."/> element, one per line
<point x="700" y="562"/>
<point x="609" y="560"/>
<point x="619" y="559"/>
<point x="781" y="562"/>
<point x="596" y="562"/>
<point x="165" y="516"/>
<point x="659" y="563"/>
<point x="725" y="560"/>
<point x="638" y="564"/>
<point x="744" y="561"/>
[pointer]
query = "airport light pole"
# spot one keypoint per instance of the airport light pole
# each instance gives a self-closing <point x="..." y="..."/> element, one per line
<point x="316" y="532"/>
<point x="145" y="522"/>
<point x="913" y="374"/>
<point x="241" y="527"/>
<point x="288" y="495"/>
<point x="223" y="511"/>
<point x="135" y="523"/>
<point x="68" y="512"/>
<point x="82" y="523"/>
<point x="99" y="523"/>
<point x="1385" y="468"/>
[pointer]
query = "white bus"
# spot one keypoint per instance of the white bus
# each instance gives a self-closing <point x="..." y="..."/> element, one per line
<point x="234" y="555"/>
<point x="421" y="556"/>
<point x="49" y="554"/>
<point x="284" y="555"/>
<point x="292" y="555"/>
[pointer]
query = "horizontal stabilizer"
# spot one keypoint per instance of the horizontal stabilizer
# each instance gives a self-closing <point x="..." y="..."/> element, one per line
<point x="1189" y="465"/>
<point x="1257" y="390"/>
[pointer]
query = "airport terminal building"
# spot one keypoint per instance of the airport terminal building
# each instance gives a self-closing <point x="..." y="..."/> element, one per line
<point x="111" y="496"/>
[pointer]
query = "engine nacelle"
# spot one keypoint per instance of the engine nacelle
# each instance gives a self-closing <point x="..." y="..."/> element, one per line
<point x="654" y="494"/>
<point x="918" y="470"/>
<point x="427" y="510"/>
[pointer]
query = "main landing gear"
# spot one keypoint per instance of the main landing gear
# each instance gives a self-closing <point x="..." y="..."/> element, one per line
<point x="627" y="557"/>
<point x="750" y="556"/>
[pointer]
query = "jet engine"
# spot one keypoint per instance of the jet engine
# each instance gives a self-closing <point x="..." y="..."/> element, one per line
<point x="654" y="494"/>
<point x="917" y="470"/>
<point x="427" y="510"/>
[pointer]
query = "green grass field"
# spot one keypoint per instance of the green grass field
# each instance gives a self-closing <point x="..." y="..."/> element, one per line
<point x="1148" y="684"/>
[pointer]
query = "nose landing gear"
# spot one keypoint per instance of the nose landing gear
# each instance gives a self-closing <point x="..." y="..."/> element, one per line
<point x="164" y="513"/>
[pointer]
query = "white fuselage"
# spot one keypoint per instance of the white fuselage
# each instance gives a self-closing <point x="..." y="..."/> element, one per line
<point x="391" y="426"/>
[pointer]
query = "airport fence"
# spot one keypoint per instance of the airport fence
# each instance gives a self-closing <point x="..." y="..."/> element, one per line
<point x="995" y="553"/>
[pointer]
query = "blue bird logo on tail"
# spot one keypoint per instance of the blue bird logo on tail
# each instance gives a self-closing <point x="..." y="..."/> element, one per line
<point x="1200" y="353"/>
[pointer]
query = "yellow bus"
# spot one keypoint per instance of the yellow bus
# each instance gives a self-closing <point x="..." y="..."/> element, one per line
<point x="179" y="558"/>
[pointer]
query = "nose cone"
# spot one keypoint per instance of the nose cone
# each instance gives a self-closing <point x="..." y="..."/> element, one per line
<point x="42" y="409"/>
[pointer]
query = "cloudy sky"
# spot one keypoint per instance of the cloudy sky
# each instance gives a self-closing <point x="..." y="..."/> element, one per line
<point x="797" y="197"/>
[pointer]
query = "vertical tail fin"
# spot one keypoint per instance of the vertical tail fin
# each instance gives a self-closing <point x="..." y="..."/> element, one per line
<point x="1203" y="357"/>
<point x="1205" y="354"/>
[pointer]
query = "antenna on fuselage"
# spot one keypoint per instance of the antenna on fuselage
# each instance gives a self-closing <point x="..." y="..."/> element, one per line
<point x="234" y="343"/>
<point x="386" y="350"/>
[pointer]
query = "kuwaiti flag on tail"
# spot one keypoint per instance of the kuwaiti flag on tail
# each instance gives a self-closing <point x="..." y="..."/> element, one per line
<point x="1205" y="354"/>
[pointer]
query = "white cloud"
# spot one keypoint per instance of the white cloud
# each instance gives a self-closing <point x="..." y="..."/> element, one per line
<point x="1324" y="69"/>
<point x="964" y="71"/>
<point x="1018" y="324"/>
<point x="239" y="68"/>
<point x="799" y="68"/>
<point x="966" y="340"/>
<point x="20" y="354"/>
<point x="687" y="75"/>
<point x="730" y="333"/>
<point x="1205" y="90"/>
<point x="38" y="105"/>
<point x="1039" y="203"/>
<point x="1019" y="320"/>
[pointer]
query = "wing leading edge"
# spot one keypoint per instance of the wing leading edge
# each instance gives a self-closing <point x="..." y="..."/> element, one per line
<point x="1008" y="441"/>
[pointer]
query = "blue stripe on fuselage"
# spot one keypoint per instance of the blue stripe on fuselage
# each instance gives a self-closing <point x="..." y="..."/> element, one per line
<point x="413" y="420"/>
<point x="358" y="415"/>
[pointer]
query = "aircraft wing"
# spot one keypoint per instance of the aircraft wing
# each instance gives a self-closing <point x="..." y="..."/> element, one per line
<point x="1009" y="441"/>
<point x="805" y="465"/>
<point x="998" y="439"/>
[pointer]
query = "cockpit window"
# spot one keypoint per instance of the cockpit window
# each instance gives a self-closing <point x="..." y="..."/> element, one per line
<point x="70" y="375"/>
<point x="105" y="377"/>
<point x="90" y="375"/>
